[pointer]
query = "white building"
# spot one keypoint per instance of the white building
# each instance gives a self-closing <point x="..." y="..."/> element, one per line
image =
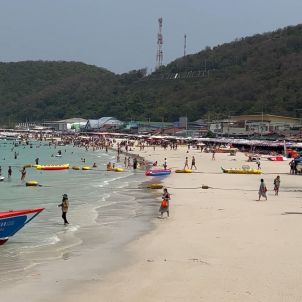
<point x="103" y="123"/>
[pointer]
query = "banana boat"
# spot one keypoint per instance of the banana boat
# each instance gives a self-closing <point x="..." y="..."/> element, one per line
<point x="241" y="171"/>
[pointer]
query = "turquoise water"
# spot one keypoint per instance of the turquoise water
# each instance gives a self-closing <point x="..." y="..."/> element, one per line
<point x="99" y="201"/>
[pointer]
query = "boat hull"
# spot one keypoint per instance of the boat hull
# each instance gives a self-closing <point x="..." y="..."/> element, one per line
<point x="13" y="221"/>
<point x="277" y="158"/>
<point x="157" y="172"/>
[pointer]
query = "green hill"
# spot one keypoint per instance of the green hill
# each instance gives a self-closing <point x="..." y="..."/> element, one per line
<point x="262" y="72"/>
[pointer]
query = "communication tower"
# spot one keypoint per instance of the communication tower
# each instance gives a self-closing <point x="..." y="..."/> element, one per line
<point x="159" y="53"/>
<point x="185" y="45"/>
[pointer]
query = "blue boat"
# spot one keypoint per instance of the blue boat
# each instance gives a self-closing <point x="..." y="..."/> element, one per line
<point x="159" y="172"/>
<point x="13" y="221"/>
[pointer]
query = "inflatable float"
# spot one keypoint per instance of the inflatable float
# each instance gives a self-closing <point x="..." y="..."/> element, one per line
<point x="277" y="158"/>
<point x="86" y="168"/>
<point x="52" y="167"/>
<point x="31" y="183"/>
<point x="115" y="169"/>
<point x="241" y="171"/>
<point x="184" y="171"/>
<point x="2" y="178"/>
<point x="160" y="172"/>
<point x="76" y="168"/>
<point x="155" y="186"/>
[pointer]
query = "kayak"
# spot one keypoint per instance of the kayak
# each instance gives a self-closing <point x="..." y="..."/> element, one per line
<point x="241" y="171"/>
<point x="159" y="172"/>
<point x="13" y="221"/>
<point x="52" y="167"/>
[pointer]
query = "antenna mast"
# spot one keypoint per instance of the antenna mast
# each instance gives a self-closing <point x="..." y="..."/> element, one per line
<point x="185" y="45"/>
<point x="159" y="53"/>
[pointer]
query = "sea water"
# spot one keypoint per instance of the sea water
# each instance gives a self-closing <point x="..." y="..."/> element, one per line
<point x="101" y="203"/>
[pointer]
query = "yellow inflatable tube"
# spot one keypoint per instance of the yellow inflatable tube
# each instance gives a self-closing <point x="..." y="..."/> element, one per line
<point x="184" y="171"/>
<point x="31" y="183"/>
<point x="155" y="186"/>
<point x="86" y="168"/>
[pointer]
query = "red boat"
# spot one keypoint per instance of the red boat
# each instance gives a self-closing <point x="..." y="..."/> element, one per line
<point x="277" y="158"/>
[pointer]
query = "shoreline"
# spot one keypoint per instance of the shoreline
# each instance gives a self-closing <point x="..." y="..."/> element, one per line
<point x="140" y="225"/>
<point x="212" y="247"/>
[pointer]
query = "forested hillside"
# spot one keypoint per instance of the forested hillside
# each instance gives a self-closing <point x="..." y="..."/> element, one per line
<point x="249" y="75"/>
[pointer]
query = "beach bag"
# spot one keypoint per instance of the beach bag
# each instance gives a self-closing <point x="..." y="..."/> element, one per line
<point x="164" y="203"/>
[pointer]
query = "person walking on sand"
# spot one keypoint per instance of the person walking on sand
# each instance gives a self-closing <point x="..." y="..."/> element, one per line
<point x="258" y="163"/>
<point x="262" y="190"/>
<point x="165" y="164"/>
<point x="193" y="163"/>
<point x="213" y="154"/>
<point x="164" y="207"/>
<point x="277" y="185"/>
<point x="64" y="205"/>
<point x="186" y="163"/>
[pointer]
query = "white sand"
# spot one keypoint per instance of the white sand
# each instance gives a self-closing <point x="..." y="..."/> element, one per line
<point x="218" y="245"/>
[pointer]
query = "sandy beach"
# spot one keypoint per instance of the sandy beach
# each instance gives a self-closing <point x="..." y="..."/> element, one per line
<point x="219" y="244"/>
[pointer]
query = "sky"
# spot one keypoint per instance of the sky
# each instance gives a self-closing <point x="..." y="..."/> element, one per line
<point x="121" y="35"/>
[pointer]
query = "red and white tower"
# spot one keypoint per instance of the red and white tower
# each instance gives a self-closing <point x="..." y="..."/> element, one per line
<point x="185" y="45"/>
<point x="159" y="53"/>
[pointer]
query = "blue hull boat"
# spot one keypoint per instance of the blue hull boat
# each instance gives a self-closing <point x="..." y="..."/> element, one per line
<point x="13" y="221"/>
<point x="160" y="172"/>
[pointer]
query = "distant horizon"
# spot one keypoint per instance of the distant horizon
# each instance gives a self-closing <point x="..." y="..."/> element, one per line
<point x="188" y="54"/>
<point x="121" y="36"/>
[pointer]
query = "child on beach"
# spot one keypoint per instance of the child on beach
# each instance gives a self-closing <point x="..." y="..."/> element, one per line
<point x="186" y="163"/>
<point x="164" y="207"/>
<point x="277" y="185"/>
<point x="258" y="163"/>
<point x="213" y="154"/>
<point x="262" y="190"/>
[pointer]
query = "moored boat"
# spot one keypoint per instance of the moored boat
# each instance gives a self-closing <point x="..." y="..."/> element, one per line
<point x="277" y="158"/>
<point x="13" y="221"/>
<point x="159" y="172"/>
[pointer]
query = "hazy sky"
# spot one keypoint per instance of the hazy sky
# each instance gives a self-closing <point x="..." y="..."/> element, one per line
<point x="120" y="35"/>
